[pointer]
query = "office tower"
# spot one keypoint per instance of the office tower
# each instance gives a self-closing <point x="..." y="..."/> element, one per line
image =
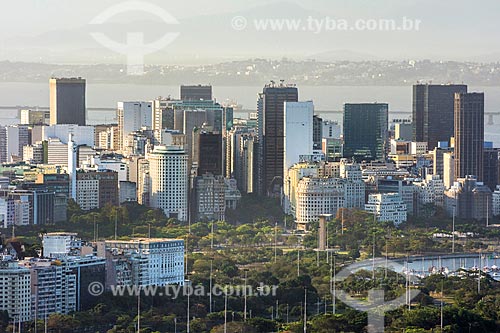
<point x="96" y="189"/>
<point x="139" y="174"/>
<point x="433" y="110"/>
<point x="67" y="101"/>
<point x="57" y="152"/>
<point x="270" y="125"/>
<point x="4" y="155"/>
<point x="171" y="137"/>
<point x="448" y="169"/>
<point x="34" y="117"/>
<point x="317" y="132"/>
<point x="13" y="138"/>
<point x="107" y="137"/>
<point x="240" y="157"/>
<point x="209" y="197"/>
<point x="331" y="130"/>
<point x="192" y="119"/>
<point x="168" y="179"/>
<point x="365" y="131"/>
<point x="332" y="148"/>
<point x="82" y="135"/>
<point x="298" y="132"/>
<point x="133" y="116"/>
<point x="490" y="166"/>
<point x="33" y="154"/>
<point x="495" y="198"/>
<point x="196" y="92"/>
<point x="208" y="153"/>
<point x="160" y="115"/>
<point x="469" y="135"/>
<point x="438" y="157"/>
<point x="403" y="131"/>
<point x="298" y="138"/>
<point x="469" y="199"/>
<point x="72" y="166"/>
<point x="227" y="118"/>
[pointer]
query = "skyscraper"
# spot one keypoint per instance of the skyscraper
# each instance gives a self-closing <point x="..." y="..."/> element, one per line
<point x="271" y="135"/>
<point x="132" y="116"/>
<point x="317" y="132"/>
<point x="209" y="153"/>
<point x="196" y="92"/>
<point x="365" y="130"/>
<point x="168" y="179"/>
<point x="469" y="135"/>
<point x="298" y="137"/>
<point x="67" y="101"/>
<point x="433" y="109"/>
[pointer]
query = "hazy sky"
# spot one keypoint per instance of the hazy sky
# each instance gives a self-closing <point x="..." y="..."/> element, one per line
<point x="449" y="29"/>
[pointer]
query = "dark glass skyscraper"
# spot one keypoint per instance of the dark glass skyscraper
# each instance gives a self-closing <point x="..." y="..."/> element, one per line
<point x="433" y="110"/>
<point x="196" y="93"/>
<point x="469" y="135"/>
<point x="317" y="132"/>
<point x="365" y="131"/>
<point x="209" y="153"/>
<point x="67" y="101"/>
<point x="271" y="135"/>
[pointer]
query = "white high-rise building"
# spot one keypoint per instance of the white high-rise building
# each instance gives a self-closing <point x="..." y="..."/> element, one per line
<point x="33" y="153"/>
<point x="495" y="199"/>
<point x="298" y="138"/>
<point x="132" y="116"/>
<point x="15" y="290"/>
<point x="331" y="129"/>
<point x="168" y="179"/>
<point x="354" y="186"/>
<point x="153" y="261"/>
<point x="72" y="150"/>
<point x="317" y="196"/>
<point x="57" y="152"/>
<point x="298" y="132"/>
<point x="82" y="135"/>
<point x="388" y="207"/>
<point x="60" y="244"/>
<point x="430" y="190"/>
<point x="448" y="169"/>
<point x="53" y="287"/>
<point x="12" y="140"/>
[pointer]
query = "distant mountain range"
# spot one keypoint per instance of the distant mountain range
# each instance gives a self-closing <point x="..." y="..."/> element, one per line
<point x="212" y="39"/>
<point x="257" y="71"/>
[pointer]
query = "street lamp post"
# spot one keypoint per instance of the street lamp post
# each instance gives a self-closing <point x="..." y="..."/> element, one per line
<point x="188" y="305"/>
<point x="334" y="291"/>
<point x="210" y="292"/>
<point x="245" y="296"/>
<point x="453" y="233"/>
